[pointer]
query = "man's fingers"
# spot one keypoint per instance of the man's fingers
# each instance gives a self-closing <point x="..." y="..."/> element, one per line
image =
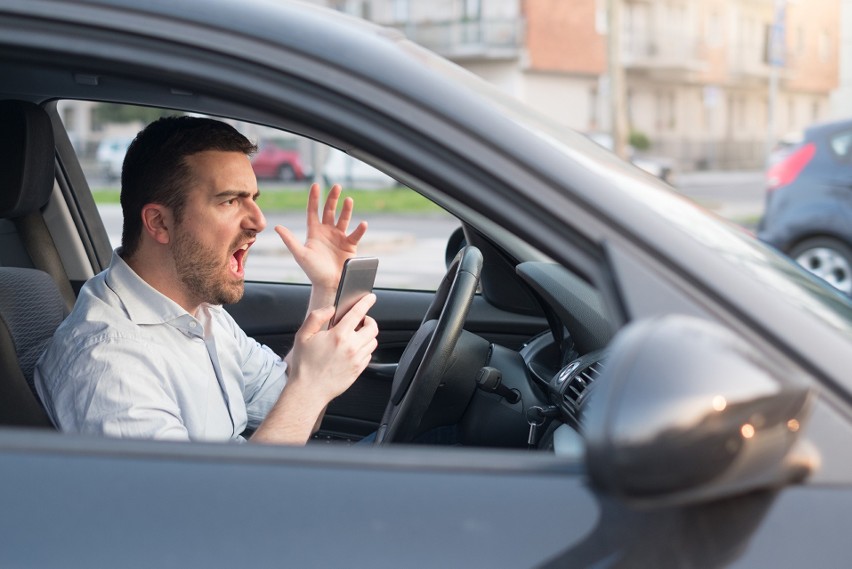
<point x="290" y="240"/>
<point x="345" y="214"/>
<point x="330" y="208"/>
<point x="358" y="233"/>
<point x="356" y="314"/>
<point x="317" y="320"/>
<point x="313" y="204"/>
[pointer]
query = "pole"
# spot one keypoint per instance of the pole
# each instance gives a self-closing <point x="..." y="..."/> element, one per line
<point x="776" y="59"/>
<point x="615" y="70"/>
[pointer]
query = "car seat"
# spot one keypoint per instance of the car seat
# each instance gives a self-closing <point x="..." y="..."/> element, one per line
<point x="35" y="294"/>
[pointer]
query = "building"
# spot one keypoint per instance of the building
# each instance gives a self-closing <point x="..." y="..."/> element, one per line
<point x="699" y="84"/>
<point x="699" y="81"/>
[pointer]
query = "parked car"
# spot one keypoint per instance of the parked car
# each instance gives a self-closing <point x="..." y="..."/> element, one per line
<point x="809" y="201"/>
<point x="634" y="382"/>
<point x="274" y="161"/>
<point x="110" y="156"/>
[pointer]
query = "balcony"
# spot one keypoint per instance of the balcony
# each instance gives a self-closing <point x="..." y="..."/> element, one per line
<point x="747" y="62"/>
<point x="468" y="39"/>
<point x="672" y="51"/>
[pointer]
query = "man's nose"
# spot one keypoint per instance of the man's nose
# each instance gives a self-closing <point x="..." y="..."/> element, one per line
<point x="254" y="219"/>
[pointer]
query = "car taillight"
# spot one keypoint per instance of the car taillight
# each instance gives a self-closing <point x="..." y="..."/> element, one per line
<point x="789" y="168"/>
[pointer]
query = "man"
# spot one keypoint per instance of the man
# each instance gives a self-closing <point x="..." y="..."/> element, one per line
<point x="148" y="350"/>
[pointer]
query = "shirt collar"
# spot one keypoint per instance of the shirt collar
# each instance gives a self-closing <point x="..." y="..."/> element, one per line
<point x="144" y="304"/>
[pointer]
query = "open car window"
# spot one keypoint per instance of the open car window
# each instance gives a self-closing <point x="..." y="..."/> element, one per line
<point x="409" y="232"/>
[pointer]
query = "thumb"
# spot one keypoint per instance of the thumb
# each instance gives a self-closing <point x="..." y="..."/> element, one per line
<point x="317" y="321"/>
<point x="290" y="240"/>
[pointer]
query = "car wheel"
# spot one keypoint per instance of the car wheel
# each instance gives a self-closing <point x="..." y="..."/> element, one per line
<point x="286" y="173"/>
<point x="828" y="258"/>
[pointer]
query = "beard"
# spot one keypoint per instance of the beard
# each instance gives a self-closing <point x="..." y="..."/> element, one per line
<point x="203" y="271"/>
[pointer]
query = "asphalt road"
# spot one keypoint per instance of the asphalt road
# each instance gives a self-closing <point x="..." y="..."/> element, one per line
<point x="737" y="195"/>
<point x="411" y="247"/>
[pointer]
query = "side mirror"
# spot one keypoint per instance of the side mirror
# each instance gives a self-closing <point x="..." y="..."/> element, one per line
<point x="687" y="411"/>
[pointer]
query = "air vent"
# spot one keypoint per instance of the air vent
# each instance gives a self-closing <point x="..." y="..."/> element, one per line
<point x="579" y="385"/>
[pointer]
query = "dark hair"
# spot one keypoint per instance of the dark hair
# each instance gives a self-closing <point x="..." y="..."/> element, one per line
<point x="155" y="168"/>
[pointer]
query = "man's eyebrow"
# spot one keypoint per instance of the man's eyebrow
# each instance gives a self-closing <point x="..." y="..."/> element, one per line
<point x="237" y="194"/>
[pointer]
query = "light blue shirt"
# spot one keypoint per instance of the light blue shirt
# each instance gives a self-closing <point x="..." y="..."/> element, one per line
<point x="130" y="362"/>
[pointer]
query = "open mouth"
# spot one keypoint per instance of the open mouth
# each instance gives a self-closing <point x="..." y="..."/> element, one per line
<point x="238" y="259"/>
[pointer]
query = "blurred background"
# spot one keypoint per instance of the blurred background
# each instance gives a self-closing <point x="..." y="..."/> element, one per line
<point x="711" y="96"/>
<point x="676" y="85"/>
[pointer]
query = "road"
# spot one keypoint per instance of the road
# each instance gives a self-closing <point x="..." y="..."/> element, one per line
<point x="411" y="247"/>
<point x="737" y="195"/>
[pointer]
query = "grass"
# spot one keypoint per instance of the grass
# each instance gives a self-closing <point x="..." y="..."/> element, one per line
<point x="393" y="200"/>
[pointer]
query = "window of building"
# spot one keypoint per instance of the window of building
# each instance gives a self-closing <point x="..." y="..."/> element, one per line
<point x="800" y="40"/>
<point x="825" y="45"/>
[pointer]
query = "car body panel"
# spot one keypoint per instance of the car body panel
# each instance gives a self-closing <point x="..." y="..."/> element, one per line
<point x="327" y="510"/>
<point x="391" y="513"/>
<point x="827" y="211"/>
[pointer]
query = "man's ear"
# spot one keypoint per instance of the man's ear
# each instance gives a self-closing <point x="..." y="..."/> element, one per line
<point x="157" y="222"/>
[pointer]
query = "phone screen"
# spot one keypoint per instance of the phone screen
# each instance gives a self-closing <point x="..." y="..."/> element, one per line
<point x="356" y="280"/>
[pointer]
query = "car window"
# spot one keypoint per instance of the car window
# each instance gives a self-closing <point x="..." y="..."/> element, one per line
<point x="841" y="144"/>
<point x="406" y="231"/>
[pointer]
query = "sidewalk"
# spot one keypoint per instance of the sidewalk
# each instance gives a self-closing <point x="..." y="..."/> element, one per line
<point x="738" y="195"/>
<point x="708" y="178"/>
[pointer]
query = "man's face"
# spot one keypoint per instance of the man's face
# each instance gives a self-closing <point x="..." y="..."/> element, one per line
<point x="219" y="222"/>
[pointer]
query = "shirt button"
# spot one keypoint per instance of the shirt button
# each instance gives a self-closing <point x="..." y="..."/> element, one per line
<point x="192" y="324"/>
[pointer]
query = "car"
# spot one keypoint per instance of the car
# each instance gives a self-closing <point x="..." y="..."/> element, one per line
<point x="274" y="161"/>
<point x="633" y="382"/>
<point x="110" y="156"/>
<point x="808" y="213"/>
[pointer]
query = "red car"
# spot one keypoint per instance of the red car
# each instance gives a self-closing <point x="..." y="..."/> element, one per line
<point x="274" y="162"/>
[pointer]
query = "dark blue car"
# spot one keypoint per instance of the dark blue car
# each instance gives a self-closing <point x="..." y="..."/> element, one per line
<point x="809" y="201"/>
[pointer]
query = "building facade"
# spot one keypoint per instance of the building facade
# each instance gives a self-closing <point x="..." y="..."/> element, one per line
<point x="699" y="74"/>
<point x="699" y="84"/>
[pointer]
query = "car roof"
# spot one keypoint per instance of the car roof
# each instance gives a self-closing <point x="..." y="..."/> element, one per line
<point x="821" y="128"/>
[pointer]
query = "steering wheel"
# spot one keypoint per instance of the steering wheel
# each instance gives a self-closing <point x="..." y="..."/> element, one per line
<point x="427" y="355"/>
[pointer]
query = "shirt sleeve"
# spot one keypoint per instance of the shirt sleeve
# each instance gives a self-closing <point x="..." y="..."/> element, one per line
<point x="264" y="374"/>
<point x="113" y="387"/>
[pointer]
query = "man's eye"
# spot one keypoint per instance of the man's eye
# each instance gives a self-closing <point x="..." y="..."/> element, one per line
<point x="231" y="201"/>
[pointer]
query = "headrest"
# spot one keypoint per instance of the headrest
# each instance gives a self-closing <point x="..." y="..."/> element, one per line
<point x="27" y="158"/>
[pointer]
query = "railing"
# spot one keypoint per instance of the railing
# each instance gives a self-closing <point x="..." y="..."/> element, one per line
<point x="668" y="49"/>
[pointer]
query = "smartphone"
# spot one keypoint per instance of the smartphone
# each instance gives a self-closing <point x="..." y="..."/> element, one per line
<point x="356" y="280"/>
